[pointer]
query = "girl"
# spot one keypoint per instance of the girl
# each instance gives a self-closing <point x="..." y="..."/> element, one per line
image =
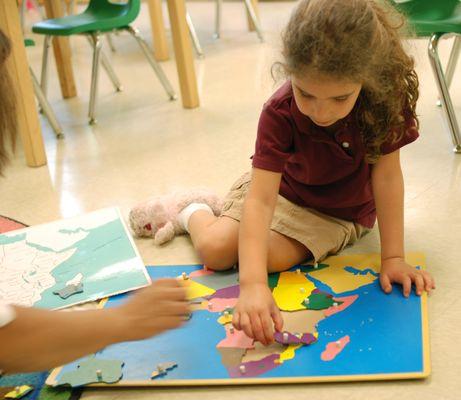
<point x="33" y="339"/>
<point x="326" y="162"/>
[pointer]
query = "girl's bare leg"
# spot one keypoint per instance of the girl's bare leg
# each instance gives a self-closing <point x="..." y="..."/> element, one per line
<point x="216" y="242"/>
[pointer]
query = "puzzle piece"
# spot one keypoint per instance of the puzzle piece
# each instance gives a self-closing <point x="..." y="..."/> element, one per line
<point x="19" y="392"/>
<point x="93" y="370"/>
<point x="75" y="280"/>
<point x="320" y="301"/>
<point x="225" y="318"/>
<point x="162" y="369"/>
<point x="69" y="290"/>
<point x="220" y="280"/>
<point x="290" y="338"/>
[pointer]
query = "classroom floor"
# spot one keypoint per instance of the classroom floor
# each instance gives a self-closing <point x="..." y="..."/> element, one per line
<point x="145" y="145"/>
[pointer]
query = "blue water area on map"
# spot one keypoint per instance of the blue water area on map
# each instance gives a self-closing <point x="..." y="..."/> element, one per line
<point x="385" y="337"/>
<point x="95" y="257"/>
<point x="7" y="239"/>
<point x="356" y="271"/>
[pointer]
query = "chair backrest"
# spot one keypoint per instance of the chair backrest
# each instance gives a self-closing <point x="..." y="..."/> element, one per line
<point x="428" y="10"/>
<point x="125" y="12"/>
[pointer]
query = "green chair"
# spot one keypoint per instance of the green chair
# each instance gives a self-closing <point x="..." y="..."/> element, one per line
<point x="42" y="101"/>
<point x="101" y="16"/>
<point x="434" y="19"/>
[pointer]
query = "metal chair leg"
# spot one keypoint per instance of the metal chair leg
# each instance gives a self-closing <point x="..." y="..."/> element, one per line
<point x="444" y="92"/>
<point x="254" y="19"/>
<point x="155" y="66"/>
<point x="72" y="7"/>
<point x="110" y="72"/>
<point x="193" y="35"/>
<point x="217" y="32"/>
<point x="110" y="42"/>
<point x="94" y="78"/>
<point x="22" y="14"/>
<point x="44" y="72"/>
<point x="108" y="68"/>
<point x="39" y="9"/>
<point x="452" y="62"/>
<point x="45" y="106"/>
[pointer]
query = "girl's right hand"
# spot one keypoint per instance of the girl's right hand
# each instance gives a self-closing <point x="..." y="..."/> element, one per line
<point x="256" y="313"/>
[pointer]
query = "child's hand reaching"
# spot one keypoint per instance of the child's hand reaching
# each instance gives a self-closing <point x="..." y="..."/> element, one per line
<point x="256" y="313"/>
<point x="152" y="310"/>
<point x="398" y="271"/>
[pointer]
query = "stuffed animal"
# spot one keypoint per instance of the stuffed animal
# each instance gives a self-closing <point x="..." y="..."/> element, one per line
<point x="158" y="217"/>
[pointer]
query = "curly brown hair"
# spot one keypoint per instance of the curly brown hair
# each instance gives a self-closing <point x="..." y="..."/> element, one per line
<point x="359" y="41"/>
<point x="8" y="121"/>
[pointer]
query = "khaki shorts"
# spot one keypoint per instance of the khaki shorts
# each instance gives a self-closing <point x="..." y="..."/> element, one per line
<point x="321" y="234"/>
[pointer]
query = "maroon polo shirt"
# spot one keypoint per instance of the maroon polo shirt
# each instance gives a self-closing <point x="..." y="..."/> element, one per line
<point x="323" y="170"/>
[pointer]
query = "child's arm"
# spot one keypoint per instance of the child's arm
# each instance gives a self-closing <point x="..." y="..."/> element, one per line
<point x="388" y="190"/>
<point x="256" y="311"/>
<point x="37" y="339"/>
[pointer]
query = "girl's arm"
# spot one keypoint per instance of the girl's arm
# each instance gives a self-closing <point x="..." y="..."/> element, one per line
<point x="256" y="311"/>
<point x="388" y="190"/>
<point x="37" y="340"/>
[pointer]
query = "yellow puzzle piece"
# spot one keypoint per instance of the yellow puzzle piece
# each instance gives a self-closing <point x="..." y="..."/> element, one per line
<point x="291" y="290"/>
<point x="18" y="392"/>
<point x="195" y="289"/>
<point x="340" y="280"/>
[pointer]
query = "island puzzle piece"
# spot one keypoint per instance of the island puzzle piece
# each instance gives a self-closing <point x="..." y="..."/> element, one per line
<point x="162" y="369"/>
<point x="93" y="370"/>
<point x="69" y="290"/>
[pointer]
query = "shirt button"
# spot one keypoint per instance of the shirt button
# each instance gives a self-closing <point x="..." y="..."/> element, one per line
<point x="345" y="145"/>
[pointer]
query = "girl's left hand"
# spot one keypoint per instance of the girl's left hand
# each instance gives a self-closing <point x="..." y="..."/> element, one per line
<point x="398" y="271"/>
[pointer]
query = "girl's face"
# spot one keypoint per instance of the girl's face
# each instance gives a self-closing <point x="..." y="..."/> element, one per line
<point x="324" y="100"/>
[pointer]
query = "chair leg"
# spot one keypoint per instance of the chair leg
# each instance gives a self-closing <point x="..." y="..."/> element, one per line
<point x="155" y="66"/>
<point x="22" y="14"/>
<point x="444" y="92"/>
<point x="44" y="73"/>
<point x="94" y="77"/>
<point x="193" y="35"/>
<point x="110" y="42"/>
<point x="45" y="106"/>
<point x="452" y="62"/>
<point x="108" y="68"/>
<point x="38" y="8"/>
<point x="110" y="72"/>
<point x="71" y="7"/>
<point x="254" y="19"/>
<point x="217" y="32"/>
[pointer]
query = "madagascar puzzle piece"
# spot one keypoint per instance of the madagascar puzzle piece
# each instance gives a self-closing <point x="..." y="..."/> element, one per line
<point x="19" y="392"/>
<point x="93" y="370"/>
<point x="69" y="290"/>
<point x="162" y="369"/>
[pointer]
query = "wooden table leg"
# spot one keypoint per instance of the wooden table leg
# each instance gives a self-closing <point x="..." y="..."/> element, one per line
<point x="18" y="67"/>
<point x="158" y="30"/>
<point x="183" y="52"/>
<point x="62" y="53"/>
<point x="251" y="26"/>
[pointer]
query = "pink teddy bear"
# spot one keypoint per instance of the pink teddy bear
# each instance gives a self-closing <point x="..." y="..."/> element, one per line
<point x="158" y="217"/>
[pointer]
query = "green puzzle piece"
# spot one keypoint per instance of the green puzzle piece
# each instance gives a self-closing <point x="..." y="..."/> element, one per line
<point x="110" y="371"/>
<point x="273" y="280"/>
<point x="310" y="268"/>
<point x="319" y="301"/>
